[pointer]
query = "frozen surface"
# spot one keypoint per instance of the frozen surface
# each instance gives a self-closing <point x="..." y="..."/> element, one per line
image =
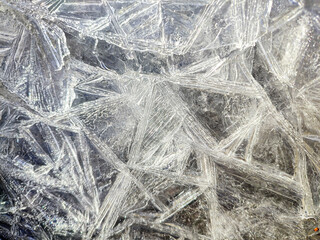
<point x="159" y="119"/>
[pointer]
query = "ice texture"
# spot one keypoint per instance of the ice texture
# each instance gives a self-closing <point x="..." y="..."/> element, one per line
<point x="159" y="119"/>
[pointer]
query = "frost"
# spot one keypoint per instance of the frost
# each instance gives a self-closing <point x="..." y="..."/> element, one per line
<point x="159" y="119"/>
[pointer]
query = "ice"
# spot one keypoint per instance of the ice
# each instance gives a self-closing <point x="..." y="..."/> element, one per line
<point x="159" y="119"/>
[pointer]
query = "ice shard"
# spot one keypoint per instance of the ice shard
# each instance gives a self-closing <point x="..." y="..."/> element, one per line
<point x="159" y="119"/>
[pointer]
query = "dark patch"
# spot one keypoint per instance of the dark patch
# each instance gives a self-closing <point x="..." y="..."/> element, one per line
<point x="82" y="48"/>
<point x="82" y="97"/>
<point x="192" y="167"/>
<point x="168" y="195"/>
<point x="227" y="199"/>
<point x="150" y="63"/>
<point x="139" y="232"/>
<point x="195" y="216"/>
<point x="275" y="150"/>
